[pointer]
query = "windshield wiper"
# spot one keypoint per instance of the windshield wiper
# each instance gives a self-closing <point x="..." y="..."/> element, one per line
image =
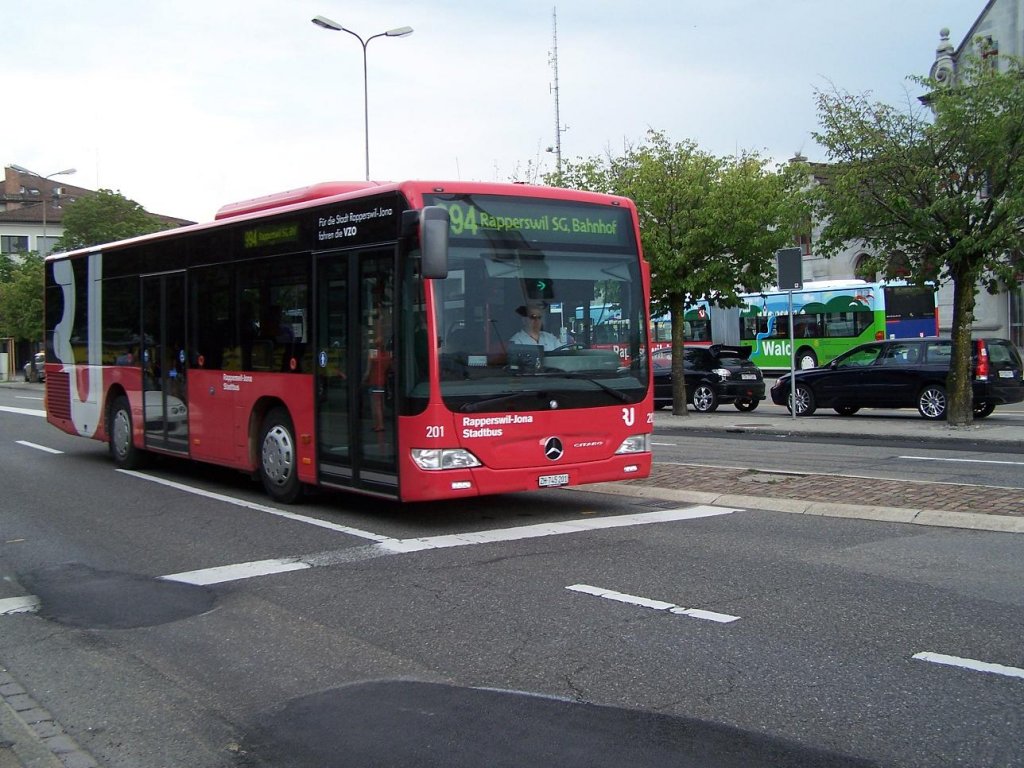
<point x="617" y="393"/>
<point x="508" y="397"/>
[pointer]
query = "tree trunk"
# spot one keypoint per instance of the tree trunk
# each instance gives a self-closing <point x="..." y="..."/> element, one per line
<point x="677" y="307"/>
<point x="959" y="389"/>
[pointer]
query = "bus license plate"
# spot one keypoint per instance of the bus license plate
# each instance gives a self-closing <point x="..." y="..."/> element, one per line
<point x="553" y="481"/>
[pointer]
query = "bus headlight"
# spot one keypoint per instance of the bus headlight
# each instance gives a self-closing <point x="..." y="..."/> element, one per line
<point x="636" y="444"/>
<point x="444" y="458"/>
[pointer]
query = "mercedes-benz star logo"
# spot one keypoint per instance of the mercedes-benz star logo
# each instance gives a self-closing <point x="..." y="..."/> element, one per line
<point x="553" y="449"/>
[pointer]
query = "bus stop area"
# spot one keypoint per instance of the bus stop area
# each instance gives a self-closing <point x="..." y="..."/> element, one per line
<point x="905" y="501"/>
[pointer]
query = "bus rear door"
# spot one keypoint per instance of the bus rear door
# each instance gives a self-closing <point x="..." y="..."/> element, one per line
<point x="165" y="391"/>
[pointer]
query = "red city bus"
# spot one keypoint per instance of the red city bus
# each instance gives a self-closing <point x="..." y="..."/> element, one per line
<point x="367" y="337"/>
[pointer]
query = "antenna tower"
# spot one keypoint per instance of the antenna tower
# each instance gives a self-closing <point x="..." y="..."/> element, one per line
<point x="553" y="61"/>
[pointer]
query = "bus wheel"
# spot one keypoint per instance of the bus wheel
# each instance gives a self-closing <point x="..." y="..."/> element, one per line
<point x="704" y="398"/>
<point x="981" y="410"/>
<point x="746" y="405"/>
<point x="931" y="403"/>
<point x="278" y="462"/>
<point x="804" y="401"/>
<point x="119" y="431"/>
<point x="806" y="358"/>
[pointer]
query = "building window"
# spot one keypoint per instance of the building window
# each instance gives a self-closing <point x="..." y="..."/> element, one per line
<point x="803" y="236"/>
<point x="13" y="244"/>
<point x="862" y="268"/>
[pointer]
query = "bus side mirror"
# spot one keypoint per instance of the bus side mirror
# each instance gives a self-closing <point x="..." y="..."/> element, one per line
<point x="434" y="225"/>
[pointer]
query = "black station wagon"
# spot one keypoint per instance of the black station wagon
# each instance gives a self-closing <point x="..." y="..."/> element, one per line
<point x="905" y="373"/>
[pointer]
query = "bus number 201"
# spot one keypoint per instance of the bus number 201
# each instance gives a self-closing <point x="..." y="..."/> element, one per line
<point x="435" y="431"/>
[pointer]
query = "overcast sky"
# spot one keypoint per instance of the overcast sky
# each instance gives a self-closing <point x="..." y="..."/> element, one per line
<point x="184" y="105"/>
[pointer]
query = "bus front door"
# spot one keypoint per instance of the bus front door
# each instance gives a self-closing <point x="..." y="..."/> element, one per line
<point x="356" y="434"/>
<point x="165" y="394"/>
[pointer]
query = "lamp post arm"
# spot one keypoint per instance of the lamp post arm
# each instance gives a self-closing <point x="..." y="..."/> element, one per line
<point x="326" y="23"/>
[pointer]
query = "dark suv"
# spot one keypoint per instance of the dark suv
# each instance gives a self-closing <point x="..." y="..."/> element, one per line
<point x="714" y="375"/>
<point x="905" y="373"/>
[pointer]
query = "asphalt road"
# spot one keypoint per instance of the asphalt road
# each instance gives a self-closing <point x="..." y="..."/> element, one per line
<point x="184" y="620"/>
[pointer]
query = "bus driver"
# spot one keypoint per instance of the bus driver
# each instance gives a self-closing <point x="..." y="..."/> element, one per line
<point x="533" y="332"/>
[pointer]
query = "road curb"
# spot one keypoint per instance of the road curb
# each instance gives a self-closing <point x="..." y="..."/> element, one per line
<point x="29" y="736"/>
<point x="932" y="517"/>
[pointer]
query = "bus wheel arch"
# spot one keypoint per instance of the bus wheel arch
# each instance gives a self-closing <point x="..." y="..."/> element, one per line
<point x="277" y="455"/>
<point x="806" y="358"/>
<point x="121" y="432"/>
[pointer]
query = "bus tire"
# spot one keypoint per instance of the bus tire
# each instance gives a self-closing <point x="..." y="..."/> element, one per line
<point x="119" y="431"/>
<point x="806" y="358"/>
<point x="279" y="470"/>
<point x="805" y="405"/>
<point x="931" y="402"/>
<point x="746" y="405"/>
<point x="704" y="398"/>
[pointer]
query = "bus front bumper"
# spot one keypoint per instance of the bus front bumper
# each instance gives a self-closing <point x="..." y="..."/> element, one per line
<point x="421" y="485"/>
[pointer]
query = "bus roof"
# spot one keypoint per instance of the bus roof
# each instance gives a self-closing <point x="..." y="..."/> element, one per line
<point x="338" y="191"/>
<point x="810" y="286"/>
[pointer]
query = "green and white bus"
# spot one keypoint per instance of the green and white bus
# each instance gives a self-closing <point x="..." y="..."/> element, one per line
<point x="831" y="317"/>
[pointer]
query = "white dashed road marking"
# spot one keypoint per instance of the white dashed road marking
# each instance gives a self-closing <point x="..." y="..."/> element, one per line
<point x="23" y="411"/>
<point x="962" y="461"/>
<point x="657" y="605"/>
<point x="972" y="664"/>
<point x="38" y="447"/>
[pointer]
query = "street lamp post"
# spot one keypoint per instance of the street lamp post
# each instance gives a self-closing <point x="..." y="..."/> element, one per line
<point x="322" y="21"/>
<point x="43" y="192"/>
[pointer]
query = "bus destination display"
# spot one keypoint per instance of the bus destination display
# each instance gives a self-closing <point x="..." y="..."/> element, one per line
<point x="533" y="220"/>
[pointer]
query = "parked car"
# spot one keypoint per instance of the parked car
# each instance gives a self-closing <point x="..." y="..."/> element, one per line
<point x="905" y="373"/>
<point x="714" y="375"/>
<point x="40" y="358"/>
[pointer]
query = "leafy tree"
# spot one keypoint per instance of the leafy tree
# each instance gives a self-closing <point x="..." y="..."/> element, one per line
<point x="90" y="220"/>
<point x="21" y="300"/>
<point x="7" y="266"/>
<point x="710" y="225"/>
<point x="938" y="193"/>
<point x="103" y="218"/>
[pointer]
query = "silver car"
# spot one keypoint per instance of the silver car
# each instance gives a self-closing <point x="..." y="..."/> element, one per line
<point x="40" y="358"/>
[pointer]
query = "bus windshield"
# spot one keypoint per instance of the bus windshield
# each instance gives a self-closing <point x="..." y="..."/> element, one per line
<point x="523" y="275"/>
